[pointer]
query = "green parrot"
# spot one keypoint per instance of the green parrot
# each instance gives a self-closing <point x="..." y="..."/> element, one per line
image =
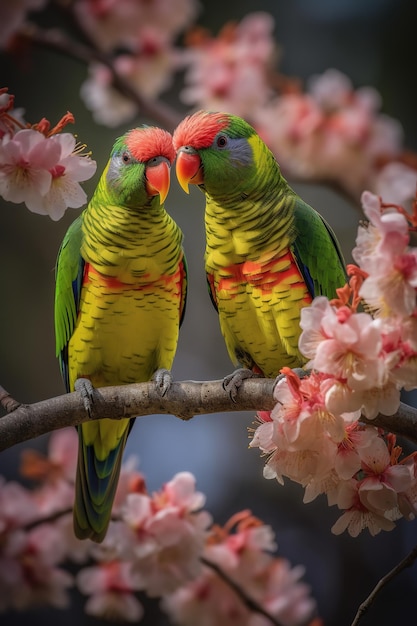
<point x="121" y="285"/>
<point x="268" y="253"/>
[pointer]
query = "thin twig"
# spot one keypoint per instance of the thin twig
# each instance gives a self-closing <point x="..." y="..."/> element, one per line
<point x="49" y="519"/>
<point x="7" y="402"/>
<point x="406" y="562"/>
<point x="251" y="604"/>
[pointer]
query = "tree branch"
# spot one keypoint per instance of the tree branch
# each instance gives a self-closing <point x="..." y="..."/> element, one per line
<point x="58" y="41"/>
<point x="250" y="604"/>
<point x="184" y="400"/>
<point x="406" y="562"/>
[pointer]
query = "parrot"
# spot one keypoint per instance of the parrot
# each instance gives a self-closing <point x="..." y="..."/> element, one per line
<point x="120" y="294"/>
<point x="268" y="253"/>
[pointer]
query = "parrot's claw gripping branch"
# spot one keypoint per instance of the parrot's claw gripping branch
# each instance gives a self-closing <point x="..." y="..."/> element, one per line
<point x="163" y="380"/>
<point x="86" y="390"/>
<point x="233" y="381"/>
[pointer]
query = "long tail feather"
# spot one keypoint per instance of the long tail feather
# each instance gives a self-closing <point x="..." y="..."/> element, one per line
<point x="95" y="489"/>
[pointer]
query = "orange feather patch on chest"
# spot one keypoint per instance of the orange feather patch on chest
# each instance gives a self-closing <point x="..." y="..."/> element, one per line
<point x="112" y="283"/>
<point x="264" y="275"/>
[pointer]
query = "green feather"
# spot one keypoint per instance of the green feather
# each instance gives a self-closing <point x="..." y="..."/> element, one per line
<point x="68" y="277"/>
<point x="318" y="250"/>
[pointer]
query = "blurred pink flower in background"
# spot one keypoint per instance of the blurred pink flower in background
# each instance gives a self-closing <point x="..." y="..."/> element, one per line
<point x="115" y="23"/>
<point x="230" y="72"/>
<point x="245" y="556"/>
<point x="149" y="68"/>
<point x="28" y="572"/>
<point x="110" y="587"/>
<point x="13" y="14"/>
<point x="330" y="133"/>
<point x="169" y="531"/>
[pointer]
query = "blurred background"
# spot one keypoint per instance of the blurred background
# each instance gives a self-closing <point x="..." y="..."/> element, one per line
<point x="373" y="42"/>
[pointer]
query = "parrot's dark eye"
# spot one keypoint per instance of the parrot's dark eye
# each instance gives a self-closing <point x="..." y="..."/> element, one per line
<point x="221" y="141"/>
<point x="126" y="158"/>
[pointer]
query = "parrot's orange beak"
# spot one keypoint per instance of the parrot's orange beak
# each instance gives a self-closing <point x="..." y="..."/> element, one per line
<point x="189" y="168"/>
<point x="158" y="179"/>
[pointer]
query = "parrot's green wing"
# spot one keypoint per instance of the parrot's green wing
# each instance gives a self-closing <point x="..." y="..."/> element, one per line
<point x="317" y="252"/>
<point x="68" y="275"/>
<point x="184" y="286"/>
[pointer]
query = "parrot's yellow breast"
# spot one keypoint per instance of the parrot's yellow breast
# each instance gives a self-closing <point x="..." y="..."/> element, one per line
<point x="124" y="333"/>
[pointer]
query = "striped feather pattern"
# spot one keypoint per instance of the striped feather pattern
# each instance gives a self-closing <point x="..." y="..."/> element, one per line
<point x="262" y="242"/>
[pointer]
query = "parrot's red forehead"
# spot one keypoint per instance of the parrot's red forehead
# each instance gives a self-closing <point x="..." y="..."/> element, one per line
<point x="199" y="130"/>
<point x="149" y="142"/>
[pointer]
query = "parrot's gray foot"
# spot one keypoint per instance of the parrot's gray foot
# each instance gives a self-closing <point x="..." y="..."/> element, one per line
<point x="299" y="371"/>
<point x="85" y="388"/>
<point x="163" y="381"/>
<point x="233" y="381"/>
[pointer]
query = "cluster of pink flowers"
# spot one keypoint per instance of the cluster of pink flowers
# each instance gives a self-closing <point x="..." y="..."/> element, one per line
<point x="327" y="131"/>
<point x="231" y="72"/>
<point x="334" y="133"/>
<point x="242" y="551"/>
<point x="39" y="165"/>
<point x="360" y="361"/>
<point x="158" y="544"/>
<point x="146" y="32"/>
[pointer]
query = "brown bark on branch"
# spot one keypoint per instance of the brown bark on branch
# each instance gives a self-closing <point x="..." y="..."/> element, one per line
<point x="184" y="400"/>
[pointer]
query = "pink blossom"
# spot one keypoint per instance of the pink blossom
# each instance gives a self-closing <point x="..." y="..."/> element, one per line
<point x="120" y="23"/>
<point x="7" y="126"/>
<point x="60" y="462"/>
<point x="386" y="229"/>
<point x="230" y="72"/>
<point x="382" y="481"/>
<point x="149" y="69"/>
<point x="52" y="498"/>
<point x="348" y="458"/>
<point x="396" y="182"/>
<point x="12" y="16"/>
<point x="301" y="414"/>
<point x="170" y="531"/>
<point x="242" y="555"/>
<point x="384" y="399"/>
<point x="76" y="550"/>
<point x="381" y="491"/>
<point x="25" y="163"/>
<point x="65" y="190"/>
<point x="17" y="506"/>
<point x="391" y="289"/>
<point x="110" y="587"/>
<point x="109" y="107"/>
<point x="351" y="348"/>
<point x="331" y="132"/>
<point x="130" y="481"/>
<point x="382" y="250"/>
<point x="28" y="572"/>
<point x="356" y="516"/>
<point x="301" y="436"/>
<point x="55" y="472"/>
<point x="43" y="172"/>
